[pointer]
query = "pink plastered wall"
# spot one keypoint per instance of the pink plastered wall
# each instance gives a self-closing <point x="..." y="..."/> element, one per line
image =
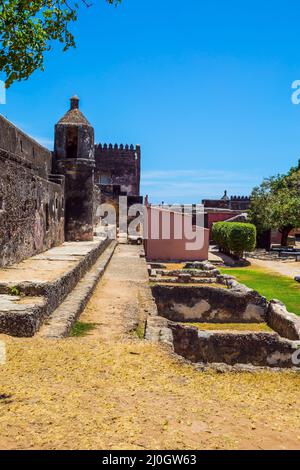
<point x="163" y="243"/>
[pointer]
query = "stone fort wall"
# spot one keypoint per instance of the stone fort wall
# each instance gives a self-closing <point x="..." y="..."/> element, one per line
<point x="119" y="165"/>
<point x="31" y="198"/>
<point x="235" y="203"/>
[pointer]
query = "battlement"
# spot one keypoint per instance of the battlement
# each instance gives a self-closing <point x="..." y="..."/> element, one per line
<point x="117" y="147"/>
<point x="240" y="198"/>
<point x="117" y="150"/>
<point x="120" y="165"/>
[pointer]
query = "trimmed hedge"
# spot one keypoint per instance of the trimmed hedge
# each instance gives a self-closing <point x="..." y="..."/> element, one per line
<point x="234" y="237"/>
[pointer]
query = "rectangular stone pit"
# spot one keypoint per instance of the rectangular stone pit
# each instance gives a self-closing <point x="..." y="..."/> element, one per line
<point x="206" y="304"/>
<point x="179" y="306"/>
<point x="215" y="347"/>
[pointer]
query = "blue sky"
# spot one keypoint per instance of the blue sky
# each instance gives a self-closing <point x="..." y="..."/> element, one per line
<point x="203" y="87"/>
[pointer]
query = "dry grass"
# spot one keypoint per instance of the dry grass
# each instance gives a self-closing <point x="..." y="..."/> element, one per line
<point x="80" y="393"/>
<point x="174" y="266"/>
<point x="257" y="327"/>
<point x="104" y="391"/>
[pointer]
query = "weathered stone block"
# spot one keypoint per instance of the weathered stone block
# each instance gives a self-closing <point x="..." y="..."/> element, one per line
<point x="202" y="265"/>
<point x="21" y="316"/>
<point x="192" y="272"/>
<point x="225" y="279"/>
<point x="286" y="324"/>
<point x="209" y="304"/>
<point x="258" y="349"/>
<point x="184" y="278"/>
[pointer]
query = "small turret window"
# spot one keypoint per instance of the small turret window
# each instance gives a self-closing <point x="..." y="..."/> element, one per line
<point x="72" y="142"/>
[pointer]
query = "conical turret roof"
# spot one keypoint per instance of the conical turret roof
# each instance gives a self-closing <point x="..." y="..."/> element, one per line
<point x="74" y="116"/>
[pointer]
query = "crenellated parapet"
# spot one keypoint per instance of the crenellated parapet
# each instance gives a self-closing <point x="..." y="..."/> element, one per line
<point x="119" y="165"/>
<point x="117" y="148"/>
<point x="236" y="203"/>
<point x="240" y="198"/>
<point x="241" y="203"/>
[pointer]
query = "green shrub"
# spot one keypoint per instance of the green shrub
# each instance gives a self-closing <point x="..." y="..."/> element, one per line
<point x="234" y="237"/>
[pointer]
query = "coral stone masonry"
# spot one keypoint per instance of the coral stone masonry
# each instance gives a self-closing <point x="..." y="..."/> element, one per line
<point x="32" y="208"/>
<point x="182" y="309"/>
<point x="47" y="197"/>
<point x="74" y="158"/>
<point x="31" y="290"/>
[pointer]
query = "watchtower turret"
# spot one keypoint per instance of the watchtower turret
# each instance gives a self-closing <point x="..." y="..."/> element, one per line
<point x="74" y="158"/>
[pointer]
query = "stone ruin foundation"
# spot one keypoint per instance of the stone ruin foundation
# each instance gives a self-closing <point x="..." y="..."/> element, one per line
<point x="199" y="294"/>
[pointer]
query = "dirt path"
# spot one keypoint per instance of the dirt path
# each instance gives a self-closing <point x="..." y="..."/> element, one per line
<point x="115" y="306"/>
<point x="290" y="269"/>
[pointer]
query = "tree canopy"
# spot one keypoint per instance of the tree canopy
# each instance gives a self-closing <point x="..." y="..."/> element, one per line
<point x="28" y="29"/>
<point x="275" y="204"/>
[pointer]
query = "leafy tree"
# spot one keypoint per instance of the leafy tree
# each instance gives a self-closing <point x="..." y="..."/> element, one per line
<point x="275" y="204"/>
<point x="28" y="29"/>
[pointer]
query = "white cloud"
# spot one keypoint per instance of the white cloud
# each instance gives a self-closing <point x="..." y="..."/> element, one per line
<point x="195" y="185"/>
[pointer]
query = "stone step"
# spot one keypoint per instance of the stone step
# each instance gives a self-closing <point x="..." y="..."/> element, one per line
<point x="44" y="281"/>
<point x="21" y="315"/>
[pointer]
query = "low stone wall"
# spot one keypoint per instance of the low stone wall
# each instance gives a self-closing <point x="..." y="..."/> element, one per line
<point x="61" y="321"/>
<point x="286" y="324"/>
<point x="229" y="302"/>
<point x="196" y="273"/>
<point x="27" y="322"/>
<point x="21" y="316"/>
<point x="258" y="349"/>
<point x="209" y="304"/>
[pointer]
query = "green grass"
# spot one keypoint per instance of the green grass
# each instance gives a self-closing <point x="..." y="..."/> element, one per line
<point x="82" y="329"/>
<point x="140" y="330"/>
<point x="269" y="284"/>
<point x="14" y="291"/>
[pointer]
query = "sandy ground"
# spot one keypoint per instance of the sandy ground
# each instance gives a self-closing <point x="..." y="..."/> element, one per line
<point x="290" y="269"/>
<point x="110" y="390"/>
<point x="115" y="305"/>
